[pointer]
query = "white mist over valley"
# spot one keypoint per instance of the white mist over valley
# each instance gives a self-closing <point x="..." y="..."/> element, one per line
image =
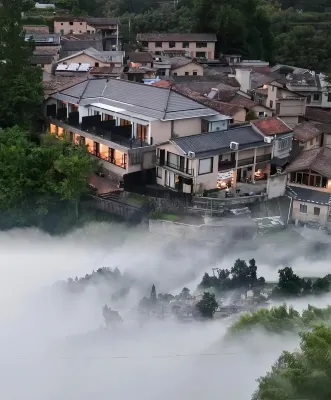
<point x="52" y="344"/>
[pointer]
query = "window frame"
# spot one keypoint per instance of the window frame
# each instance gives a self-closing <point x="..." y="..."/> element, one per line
<point x="172" y="45"/>
<point x="317" y="211"/>
<point x="211" y="165"/>
<point x="200" y="45"/>
<point x="303" y="207"/>
<point x="157" y="45"/>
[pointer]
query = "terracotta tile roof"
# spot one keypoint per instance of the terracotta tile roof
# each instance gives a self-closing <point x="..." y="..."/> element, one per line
<point x="314" y="114"/>
<point x="36" y="28"/>
<point x="324" y="128"/>
<point x="223" y="108"/>
<point x="306" y="131"/>
<point x="271" y="126"/>
<point x="176" y="37"/>
<point x="318" y="160"/>
<point x="162" y="83"/>
<point x="140" y="57"/>
<point x="53" y="84"/>
<point x="243" y="101"/>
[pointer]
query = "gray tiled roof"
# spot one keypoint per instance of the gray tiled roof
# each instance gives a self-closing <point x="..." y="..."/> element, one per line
<point x="102" y="21"/>
<point x="79" y="45"/>
<point x="308" y="195"/>
<point x="219" y="142"/>
<point x="151" y="101"/>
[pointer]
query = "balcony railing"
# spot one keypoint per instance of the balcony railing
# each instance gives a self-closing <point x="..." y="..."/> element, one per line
<point x="179" y="168"/>
<point x="223" y="165"/>
<point x="245" y="161"/>
<point x="265" y="157"/>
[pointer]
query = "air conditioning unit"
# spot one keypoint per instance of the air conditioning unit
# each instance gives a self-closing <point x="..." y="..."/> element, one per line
<point x="268" y="139"/>
<point x="191" y="154"/>
<point x="234" y="146"/>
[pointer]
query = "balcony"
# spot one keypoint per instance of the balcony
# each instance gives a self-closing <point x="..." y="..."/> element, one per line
<point x="263" y="158"/>
<point x="176" y="167"/>
<point x="107" y="130"/>
<point x="225" y="165"/>
<point x="245" y="161"/>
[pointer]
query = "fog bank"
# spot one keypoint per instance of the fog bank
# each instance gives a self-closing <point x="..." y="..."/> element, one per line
<point x="51" y="343"/>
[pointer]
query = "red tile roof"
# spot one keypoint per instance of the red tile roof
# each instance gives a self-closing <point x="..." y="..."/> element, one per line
<point x="162" y="83"/>
<point x="271" y="126"/>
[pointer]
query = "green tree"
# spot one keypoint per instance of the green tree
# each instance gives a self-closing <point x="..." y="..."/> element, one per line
<point x="288" y="283"/>
<point x="75" y="165"/>
<point x="207" y="306"/>
<point x="250" y="116"/>
<point x="303" y="374"/>
<point x="321" y="285"/>
<point x="20" y="83"/>
<point x="152" y="297"/>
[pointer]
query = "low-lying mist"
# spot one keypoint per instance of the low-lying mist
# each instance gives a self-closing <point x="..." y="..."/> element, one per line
<point x="53" y="346"/>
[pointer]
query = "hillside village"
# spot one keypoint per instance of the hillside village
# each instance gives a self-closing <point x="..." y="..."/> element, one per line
<point x="176" y="124"/>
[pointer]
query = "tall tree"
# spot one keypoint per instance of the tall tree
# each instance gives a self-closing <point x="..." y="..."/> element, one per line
<point x="207" y="306"/>
<point x="20" y="83"/>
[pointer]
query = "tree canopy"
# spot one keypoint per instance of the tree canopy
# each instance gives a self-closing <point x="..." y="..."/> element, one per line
<point x="303" y="374"/>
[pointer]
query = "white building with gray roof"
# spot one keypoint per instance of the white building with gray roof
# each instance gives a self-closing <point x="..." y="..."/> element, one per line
<point x="121" y="122"/>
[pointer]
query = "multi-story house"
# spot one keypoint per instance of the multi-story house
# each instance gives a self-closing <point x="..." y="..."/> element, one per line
<point x="194" y="45"/>
<point x="192" y="164"/>
<point x="309" y="187"/>
<point x="121" y="122"/>
<point x="306" y="84"/>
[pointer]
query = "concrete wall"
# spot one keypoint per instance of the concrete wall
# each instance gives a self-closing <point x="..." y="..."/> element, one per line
<point x="240" y="116"/>
<point x="191" y="50"/>
<point x="85" y="59"/>
<point x="314" y="143"/>
<point x="309" y="216"/>
<point x="188" y="69"/>
<point x="243" y="76"/>
<point x="76" y="27"/>
<point x="186" y="127"/>
<point x="160" y="131"/>
<point x="276" y="186"/>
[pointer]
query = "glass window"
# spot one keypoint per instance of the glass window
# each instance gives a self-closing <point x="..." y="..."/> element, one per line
<point x="118" y="158"/>
<point x="195" y="72"/>
<point x="142" y="132"/>
<point x="205" y="166"/>
<point x="200" y="54"/>
<point x="172" y="45"/>
<point x="201" y="45"/>
<point x="187" y="73"/>
<point x="317" y="211"/>
<point x="271" y="103"/>
<point x="316" y="96"/>
<point x="53" y="129"/>
<point x="303" y="208"/>
<point x="124" y="122"/>
<point x="89" y="144"/>
<point x="159" y="172"/>
<point x="103" y="151"/>
<point x="158" y="44"/>
<point x="186" y="45"/>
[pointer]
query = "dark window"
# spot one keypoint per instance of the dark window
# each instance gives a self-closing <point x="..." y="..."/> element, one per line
<point x="195" y="72"/>
<point x="277" y="108"/>
<point x="81" y="23"/>
<point x="303" y="208"/>
<point x="144" y="44"/>
<point x="159" y="172"/>
<point x="186" y="45"/>
<point x="200" y="54"/>
<point x="308" y="99"/>
<point x="158" y="44"/>
<point x="88" y="32"/>
<point x="271" y="103"/>
<point x="172" y="44"/>
<point x="175" y="73"/>
<point x="187" y="73"/>
<point x="157" y="53"/>
<point x="316" y="96"/>
<point x="71" y="23"/>
<point x="61" y="23"/>
<point x="329" y="97"/>
<point x="96" y="64"/>
<point x="201" y="45"/>
<point x="317" y="211"/>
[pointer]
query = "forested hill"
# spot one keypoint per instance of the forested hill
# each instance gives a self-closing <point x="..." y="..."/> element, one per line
<point x="295" y="32"/>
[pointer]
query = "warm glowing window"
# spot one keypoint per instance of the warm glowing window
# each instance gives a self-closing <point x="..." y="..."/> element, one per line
<point x="124" y="122"/>
<point x="118" y="158"/>
<point x="60" y="132"/>
<point x="76" y="139"/>
<point x="53" y="129"/>
<point x="90" y="145"/>
<point x="103" y="151"/>
<point x="107" y="117"/>
<point x="142" y="132"/>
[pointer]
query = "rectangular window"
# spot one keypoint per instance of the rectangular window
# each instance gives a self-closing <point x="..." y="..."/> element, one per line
<point x="205" y="166"/>
<point x="316" y="96"/>
<point x="272" y="88"/>
<point x="158" y="44"/>
<point x="187" y="73"/>
<point x="329" y="97"/>
<point x="124" y="122"/>
<point x="159" y="172"/>
<point x="271" y="104"/>
<point x="175" y="73"/>
<point x="186" y="45"/>
<point x="277" y="108"/>
<point x="142" y="132"/>
<point x="96" y="64"/>
<point x="71" y="23"/>
<point x="107" y="117"/>
<point x="172" y="45"/>
<point x="144" y="44"/>
<point x="201" y="45"/>
<point x="195" y="72"/>
<point x="200" y="54"/>
<point x="303" y="209"/>
<point x="283" y="144"/>
<point x="317" y="211"/>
